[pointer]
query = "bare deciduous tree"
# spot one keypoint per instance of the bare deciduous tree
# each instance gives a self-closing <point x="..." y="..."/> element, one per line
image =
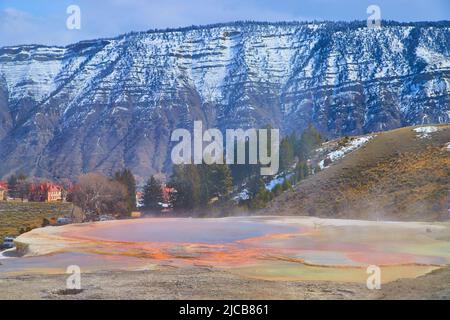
<point x="96" y="195"/>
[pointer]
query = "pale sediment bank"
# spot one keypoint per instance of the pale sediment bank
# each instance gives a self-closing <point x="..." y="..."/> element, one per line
<point x="206" y="283"/>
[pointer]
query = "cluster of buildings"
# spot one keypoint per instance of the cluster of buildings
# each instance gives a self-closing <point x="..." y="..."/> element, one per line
<point x="166" y="195"/>
<point x="52" y="192"/>
<point x="38" y="192"/>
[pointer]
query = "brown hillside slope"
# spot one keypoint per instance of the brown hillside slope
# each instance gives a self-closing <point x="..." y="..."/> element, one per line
<point x="396" y="176"/>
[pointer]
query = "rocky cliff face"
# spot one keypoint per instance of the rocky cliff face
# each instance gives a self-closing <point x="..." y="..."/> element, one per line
<point x="106" y="104"/>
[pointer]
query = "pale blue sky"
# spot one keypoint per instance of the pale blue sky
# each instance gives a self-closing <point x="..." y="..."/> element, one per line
<point x="44" y="21"/>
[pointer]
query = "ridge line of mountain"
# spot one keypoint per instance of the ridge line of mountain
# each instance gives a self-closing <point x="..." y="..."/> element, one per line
<point x="359" y="23"/>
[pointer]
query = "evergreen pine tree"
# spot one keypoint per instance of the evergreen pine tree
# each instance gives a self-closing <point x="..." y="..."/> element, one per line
<point x="186" y="180"/>
<point x="220" y="182"/>
<point x="309" y="140"/>
<point x="152" y="194"/>
<point x="126" y="178"/>
<point x="301" y="170"/>
<point x="287" y="185"/>
<point x="13" y="184"/>
<point x="286" y="153"/>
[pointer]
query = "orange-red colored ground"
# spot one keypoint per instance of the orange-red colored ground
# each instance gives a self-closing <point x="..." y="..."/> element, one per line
<point x="274" y="248"/>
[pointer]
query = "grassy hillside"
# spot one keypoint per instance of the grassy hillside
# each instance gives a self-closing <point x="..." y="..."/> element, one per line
<point x="398" y="175"/>
<point x="17" y="215"/>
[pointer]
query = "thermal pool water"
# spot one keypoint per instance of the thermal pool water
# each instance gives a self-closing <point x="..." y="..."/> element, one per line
<point x="272" y="248"/>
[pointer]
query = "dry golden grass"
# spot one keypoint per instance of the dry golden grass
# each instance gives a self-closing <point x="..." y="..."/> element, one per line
<point x="15" y="216"/>
<point x="396" y="176"/>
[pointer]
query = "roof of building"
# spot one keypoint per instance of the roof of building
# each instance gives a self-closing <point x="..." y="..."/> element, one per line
<point x="45" y="187"/>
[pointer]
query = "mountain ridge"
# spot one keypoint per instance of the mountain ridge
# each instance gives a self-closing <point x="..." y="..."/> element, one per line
<point x="100" y="105"/>
<point x="360" y="23"/>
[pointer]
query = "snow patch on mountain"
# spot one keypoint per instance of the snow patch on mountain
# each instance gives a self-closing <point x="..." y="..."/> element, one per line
<point x="351" y="146"/>
<point x="424" y="132"/>
<point x="279" y="180"/>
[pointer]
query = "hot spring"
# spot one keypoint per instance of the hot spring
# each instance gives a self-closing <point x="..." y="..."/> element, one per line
<point x="271" y="248"/>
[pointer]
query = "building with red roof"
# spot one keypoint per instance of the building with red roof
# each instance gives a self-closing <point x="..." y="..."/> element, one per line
<point x="45" y="192"/>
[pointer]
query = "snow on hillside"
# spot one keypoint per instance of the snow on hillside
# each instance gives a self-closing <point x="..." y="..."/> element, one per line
<point x="277" y="180"/>
<point x="351" y="146"/>
<point x="424" y="132"/>
<point x="99" y="105"/>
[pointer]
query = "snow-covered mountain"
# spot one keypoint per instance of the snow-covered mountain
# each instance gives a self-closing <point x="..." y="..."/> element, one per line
<point x="112" y="103"/>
